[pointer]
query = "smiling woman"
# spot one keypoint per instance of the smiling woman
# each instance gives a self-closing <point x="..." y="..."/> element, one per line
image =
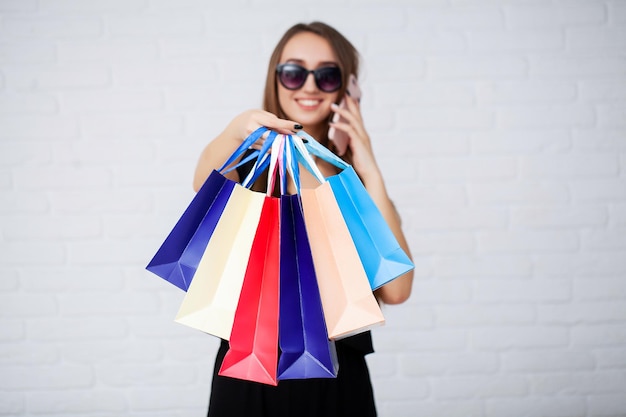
<point x="307" y="76"/>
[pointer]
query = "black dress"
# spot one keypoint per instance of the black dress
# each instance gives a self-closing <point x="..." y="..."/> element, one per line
<point x="350" y="394"/>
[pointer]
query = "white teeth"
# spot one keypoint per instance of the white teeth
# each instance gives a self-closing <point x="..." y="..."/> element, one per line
<point x="308" y="102"/>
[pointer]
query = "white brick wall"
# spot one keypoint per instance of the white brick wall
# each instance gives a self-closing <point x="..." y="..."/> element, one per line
<point x="500" y="125"/>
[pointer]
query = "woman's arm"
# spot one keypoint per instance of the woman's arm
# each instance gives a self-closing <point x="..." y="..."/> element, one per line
<point x="364" y="163"/>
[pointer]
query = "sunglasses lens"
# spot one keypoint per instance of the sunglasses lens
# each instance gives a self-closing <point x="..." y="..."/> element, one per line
<point x="292" y="76"/>
<point x="328" y="79"/>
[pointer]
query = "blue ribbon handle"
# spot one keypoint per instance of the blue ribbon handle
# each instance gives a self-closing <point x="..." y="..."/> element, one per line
<point x="253" y="137"/>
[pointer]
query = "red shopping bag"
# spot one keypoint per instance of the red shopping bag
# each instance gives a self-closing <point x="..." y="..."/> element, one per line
<point x="253" y="351"/>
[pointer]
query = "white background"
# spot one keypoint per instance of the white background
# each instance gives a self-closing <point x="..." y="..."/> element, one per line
<point x="500" y="127"/>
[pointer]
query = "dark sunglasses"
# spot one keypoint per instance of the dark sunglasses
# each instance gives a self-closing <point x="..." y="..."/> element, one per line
<point x="293" y="77"/>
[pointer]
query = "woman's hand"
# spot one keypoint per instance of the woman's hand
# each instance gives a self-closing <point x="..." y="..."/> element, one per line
<point x="249" y="121"/>
<point x="362" y="153"/>
<point x="220" y="148"/>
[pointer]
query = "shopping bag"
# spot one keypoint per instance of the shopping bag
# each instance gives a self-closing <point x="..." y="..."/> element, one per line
<point x="306" y="351"/>
<point x="212" y="297"/>
<point x="177" y="259"/>
<point x="253" y="350"/>
<point x="381" y="255"/>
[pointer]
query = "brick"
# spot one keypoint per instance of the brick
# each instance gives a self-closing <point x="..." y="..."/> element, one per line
<point x="131" y="124"/>
<point x="18" y="6"/>
<point x="24" y="354"/>
<point x="391" y="389"/>
<point x="78" y="402"/>
<point x="599" y="288"/>
<point x="606" y="404"/>
<point x="607" y="190"/>
<point x="485" y="315"/>
<point x="168" y="398"/>
<point x="617" y="11"/>
<point x="27" y="52"/>
<point x="611" y="115"/>
<point x="583" y="264"/>
<point x="10" y="280"/>
<point x="520" y="142"/>
<point x="548" y="360"/>
<point x="540" y="406"/>
<point x="107" y="51"/>
<point x="459" y="218"/>
<point x="46" y="377"/>
<point x="601" y="90"/>
<point x="482" y="266"/>
<point x="163" y="73"/>
<point x="82" y="102"/>
<point x="109" y="305"/>
<point x="65" y="6"/>
<point x="64" y="178"/>
<point x="611" y="358"/>
<point x="546" y="116"/>
<point x="498" y="338"/>
<point x="598" y="335"/>
<point x="53" y="27"/>
<point x="437" y="291"/>
<point x="537" y="40"/>
<point x="183" y="351"/>
<point x="502" y="92"/>
<point x="115" y="350"/>
<point x="600" y="140"/>
<point x="28" y="103"/>
<point x="129" y="375"/>
<point x="426" y="340"/>
<point x="23" y="305"/>
<point x="576" y="66"/>
<point x="528" y="241"/>
<point x="81" y="329"/>
<point x="450" y="170"/>
<point x="401" y="67"/>
<point x="519" y="194"/>
<point x="555" y="217"/>
<point x="32" y="253"/>
<point x="50" y="228"/>
<point x="450" y="363"/>
<point x="71" y="279"/>
<point x="572" y="166"/>
<point x="544" y="15"/>
<point x="450" y="408"/>
<point x="423" y="94"/>
<point x="18" y="202"/>
<point x="12" y="403"/>
<point x="596" y="38"/>
<point x="427" y="195"/>
<point x="472" y="67"/>
<point x="521" y="290"/>
<point x="156" y="24"/>
<point x="108" y="253"/>
<point x="578" y="383"/>
<point x="48" y="78"/>
<point x="479" y="386"/>
<point x="417" y="42"/>
<point x="617" y="215"/>
<point x="25" y="153"/>
<point x="594" y="240"/>
<point x="442" y="242"/>
<point x="455" y="18"/>
<point x="171" y="174"/>
<point x="113" y="201"/>
<point x="12" y="330"/>
<point x="38" y="127"/>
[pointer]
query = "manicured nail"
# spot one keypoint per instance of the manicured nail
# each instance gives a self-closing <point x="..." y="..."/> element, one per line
<point x="298" y="126"/>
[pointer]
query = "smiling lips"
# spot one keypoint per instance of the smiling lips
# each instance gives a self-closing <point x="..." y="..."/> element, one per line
<point x="308" y="103"/>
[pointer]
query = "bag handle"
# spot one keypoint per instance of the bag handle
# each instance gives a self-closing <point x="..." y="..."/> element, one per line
<point x="319" y="150"/>
<point x="247" y="142"/>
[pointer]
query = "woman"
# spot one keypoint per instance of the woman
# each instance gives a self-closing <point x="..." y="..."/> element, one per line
<point x="307" y="76"/>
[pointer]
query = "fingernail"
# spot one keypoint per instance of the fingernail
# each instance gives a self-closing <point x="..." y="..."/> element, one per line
<point x="305" y="141"/>
<point x="334" y="106"/>
<point x="298" y="126"/>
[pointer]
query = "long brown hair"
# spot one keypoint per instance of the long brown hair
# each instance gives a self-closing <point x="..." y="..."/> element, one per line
<point x="347" y="56"/>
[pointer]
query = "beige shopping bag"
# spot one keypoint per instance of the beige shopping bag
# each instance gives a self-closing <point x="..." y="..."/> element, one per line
<point x="213" y="295"/>
<point x="349" y="304"/>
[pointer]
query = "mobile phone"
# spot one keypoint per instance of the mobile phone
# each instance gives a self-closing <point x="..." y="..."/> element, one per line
<point x="339" y="138"/>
